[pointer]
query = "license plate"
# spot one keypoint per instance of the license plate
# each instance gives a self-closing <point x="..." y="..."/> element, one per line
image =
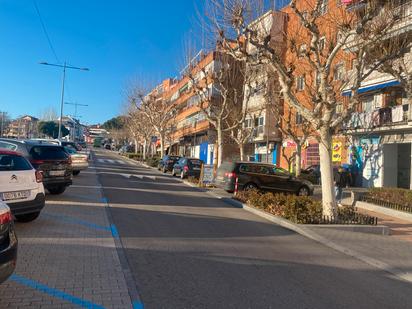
<point x="18" y="195"/>
<point x="56" y="173"/>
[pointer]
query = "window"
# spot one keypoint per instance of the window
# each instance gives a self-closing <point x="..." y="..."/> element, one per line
<point x="259" y="121"/>
<point x="300" y="83"/>
<point x="322" y="43"/>
<point x="324" y="7"/>
<point x="339" y="108"/>
<point x="248" y="123"/>
<point x="298" y="118"/>
<point x="8" y="146"/>
<point x="338" y="72"/>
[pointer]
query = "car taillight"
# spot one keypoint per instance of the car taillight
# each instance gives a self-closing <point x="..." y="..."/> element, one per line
<point x="186" y="168"/>
<point x="36" y="162"/>
<point x="5" y="217"/>
<point x="39" y="176"/>
<point x="230" y="175"/>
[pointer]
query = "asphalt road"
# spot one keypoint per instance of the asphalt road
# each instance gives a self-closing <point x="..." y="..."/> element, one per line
<point x="189" y="250"/>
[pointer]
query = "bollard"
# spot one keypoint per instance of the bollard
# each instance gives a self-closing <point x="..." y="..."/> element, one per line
<point x="236" y="186"/>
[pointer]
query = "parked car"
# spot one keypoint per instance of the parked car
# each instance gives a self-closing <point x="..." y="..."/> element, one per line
<point x="52" y="160"/>
<point x="167" y="162"/>
<point x="8" y="243"/>
<point x="311" y="173"/>
<point x="21" y="186"/>
<point x="187" y="167"/>
<point x="108" y="146"/>
<point x="251" y="175"/>
<point x="72" y="144"/>
<point x="80" y="161"/>
<point x="126" y="149"/>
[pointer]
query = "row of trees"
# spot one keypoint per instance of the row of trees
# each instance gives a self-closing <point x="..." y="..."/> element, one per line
<point x="311" y="54"/>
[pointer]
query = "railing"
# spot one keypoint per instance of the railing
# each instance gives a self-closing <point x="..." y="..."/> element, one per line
<point x="386" y="204"/>
<point x="382" y="117"/>
<point x="353" y="219"/>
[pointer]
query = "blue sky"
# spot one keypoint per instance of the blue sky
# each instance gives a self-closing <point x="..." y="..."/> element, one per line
<point x="118" y="40"/>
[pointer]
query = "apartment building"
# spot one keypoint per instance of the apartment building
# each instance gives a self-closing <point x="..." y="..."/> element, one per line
<point x="193" y="135"/>
<point x="381" y="129"/>
<point x="262" y="94"/>
<point x="23" y="127"/>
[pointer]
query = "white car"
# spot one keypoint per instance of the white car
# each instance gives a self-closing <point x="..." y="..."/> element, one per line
<point x="21" y="186"/>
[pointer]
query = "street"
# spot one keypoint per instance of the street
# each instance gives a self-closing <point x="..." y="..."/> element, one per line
<point x="163" y="244"/>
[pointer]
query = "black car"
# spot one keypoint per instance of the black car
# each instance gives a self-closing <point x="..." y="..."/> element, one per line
<point x="8" y="243"/>
<point x="167" y="162"/>
<point x="52" y="160"/>
<point x="260" y="176"/>
<point x="187" y="167"/>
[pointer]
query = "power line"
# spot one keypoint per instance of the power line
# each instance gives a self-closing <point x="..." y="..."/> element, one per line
<point x="45" y="31"/>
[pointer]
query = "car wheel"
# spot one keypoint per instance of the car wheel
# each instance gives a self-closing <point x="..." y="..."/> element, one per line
<point x="250" y="186"/>
<point x="75" y="173"/>
<point x="182" y="175"/>
<point x="173" y="172"/>
<point x="303" y="191"/>
<point x="57" y="190"/>
<point x="27" y="217"/>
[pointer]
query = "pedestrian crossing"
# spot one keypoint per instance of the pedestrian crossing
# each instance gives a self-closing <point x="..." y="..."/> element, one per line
<point x="111" y="161"/>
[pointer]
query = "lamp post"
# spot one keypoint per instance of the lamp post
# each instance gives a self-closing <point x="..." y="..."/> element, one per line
<point x="64" y="66"/>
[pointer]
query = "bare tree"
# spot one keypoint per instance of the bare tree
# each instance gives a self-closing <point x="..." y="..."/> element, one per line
<point x="139" y="128"/>
<point x="313" y="62"/>
<point x="159" y="112"/>
<point x="220" y="93"/>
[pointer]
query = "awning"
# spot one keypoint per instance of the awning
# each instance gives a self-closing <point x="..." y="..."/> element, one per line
<point x="348" y="93"/>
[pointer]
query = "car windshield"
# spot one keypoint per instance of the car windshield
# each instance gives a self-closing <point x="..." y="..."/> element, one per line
<point x="13" y="163"/>
<point x="48" y="153"/>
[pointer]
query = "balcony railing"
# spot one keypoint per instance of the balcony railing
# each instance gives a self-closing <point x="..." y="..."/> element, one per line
<point x="383" y="117"/>
<point x="403" y="24"/>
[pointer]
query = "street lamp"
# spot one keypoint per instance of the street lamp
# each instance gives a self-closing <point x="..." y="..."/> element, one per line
<point x="64" y="66"/>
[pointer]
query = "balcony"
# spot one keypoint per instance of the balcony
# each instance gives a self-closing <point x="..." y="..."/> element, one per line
<point x="402" y="11"/>
<point x="383" y="119"/>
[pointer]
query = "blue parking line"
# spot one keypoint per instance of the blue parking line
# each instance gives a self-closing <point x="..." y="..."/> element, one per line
<point x="55" y="293"/>
<point x="137" y="305"/>
<point x="80" y="222"/>
<point x="115" y="232"/>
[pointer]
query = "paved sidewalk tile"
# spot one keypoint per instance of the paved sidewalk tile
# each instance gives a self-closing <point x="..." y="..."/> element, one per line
<point x="67" y="257"/>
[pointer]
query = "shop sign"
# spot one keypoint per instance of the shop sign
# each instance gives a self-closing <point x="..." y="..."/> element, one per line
<point x="337" y="152"/>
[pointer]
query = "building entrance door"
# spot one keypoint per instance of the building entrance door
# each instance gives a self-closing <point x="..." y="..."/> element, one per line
<point x="404" y="166"/>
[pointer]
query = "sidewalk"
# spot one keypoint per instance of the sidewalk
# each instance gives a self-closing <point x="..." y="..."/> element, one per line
<point x="67" y="258"/>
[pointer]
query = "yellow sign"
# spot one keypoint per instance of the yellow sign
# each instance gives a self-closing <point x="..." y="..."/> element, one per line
<point x="336" y="152"/>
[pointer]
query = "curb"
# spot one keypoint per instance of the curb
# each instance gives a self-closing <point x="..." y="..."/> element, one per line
<point x="385" y="211"/>
<point x="134" y="295"/>
<point x="308" y="234"/>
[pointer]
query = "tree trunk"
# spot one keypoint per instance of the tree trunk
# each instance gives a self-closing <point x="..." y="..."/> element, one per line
<point x="326" y="171"/>
<point x="136" y="146"/>
<point x="242" y="152"/>
<point x="219" y="146"/>
<point x="162" y="148"/>
<point x="144" y="150"/>
<point x="298" y="159"/>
